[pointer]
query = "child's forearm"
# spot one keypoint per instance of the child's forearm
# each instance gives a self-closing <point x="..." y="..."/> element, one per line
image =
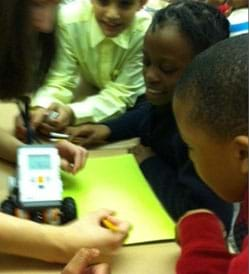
<point x="8" y="146"/>
<point x="26" y="238"/>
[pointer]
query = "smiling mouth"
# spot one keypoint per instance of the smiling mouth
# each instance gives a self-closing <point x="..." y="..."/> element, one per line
<point x="154" y="91"/>
<point x="111" y="26"/>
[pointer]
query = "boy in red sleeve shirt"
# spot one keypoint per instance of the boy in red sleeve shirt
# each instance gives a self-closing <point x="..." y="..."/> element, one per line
<point x="214" y="125"/>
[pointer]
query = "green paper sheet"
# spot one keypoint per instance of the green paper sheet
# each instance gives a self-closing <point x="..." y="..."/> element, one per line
<point x="117" y="183"/>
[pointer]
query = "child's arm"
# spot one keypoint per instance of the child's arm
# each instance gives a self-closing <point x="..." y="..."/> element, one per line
<point x="70" y="154"/>
<point x="83" y="262"/>
<point x="73" y="157"/>
<point x="128" y="125"/>
<point x="116" y="95"/>
<point x="89" y="134"/>
<point x="8" y="146"/>
<point x="126" y="81"/>
<point x="59" y="243"/>
<point x="203" y="246"/>
<point x="113" y="99"/>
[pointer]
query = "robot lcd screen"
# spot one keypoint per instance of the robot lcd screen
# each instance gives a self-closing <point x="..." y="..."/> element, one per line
<point x="39" y="162"/>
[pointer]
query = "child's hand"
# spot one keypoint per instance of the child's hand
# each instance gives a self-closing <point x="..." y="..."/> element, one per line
<point x="89" y="134"/>
<point x="190" y="213"/>
<point x="64" y="118"/>
<point x="73" y="157"/>
<point x="37" y="116"/>
<point x="89" y="232"/>
<point x="81" y="263"/>
<point x="142" y="153"/>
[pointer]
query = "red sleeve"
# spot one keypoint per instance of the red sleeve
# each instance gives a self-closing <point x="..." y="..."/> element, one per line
<point x="224" y="8"/>
<point x="240" y="263"/>
<point x="203" y="246"/>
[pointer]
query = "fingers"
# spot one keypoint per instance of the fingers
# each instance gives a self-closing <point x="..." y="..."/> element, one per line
<point x="37" y="117"/>
<point x="80" y="262"/>
<point x="80" y="160"/>
<point x="54" y="118"/>
<point x="89" y="134"/>
<point x="67" y="166"/>
<point x="103" y="213"/>
<point x="109" y="214"/>
<point x="45" y="129"/>
<point x="63" y="118"/>
<point x="80" y="135"/>
<point x="83" y="131"/>
<point x="73" y="156"/>
<point x="74" y="166"/>
<point x="100" y="269"/>
<point x="123" y="226"/>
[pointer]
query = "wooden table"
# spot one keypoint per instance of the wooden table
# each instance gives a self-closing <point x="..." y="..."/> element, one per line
<point x="144" y="259"/>
<point x="158" y="258"/>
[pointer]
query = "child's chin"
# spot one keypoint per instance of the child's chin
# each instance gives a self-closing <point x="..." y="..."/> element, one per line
<point x="111" y="33"/>
<point x="156" y="100"/>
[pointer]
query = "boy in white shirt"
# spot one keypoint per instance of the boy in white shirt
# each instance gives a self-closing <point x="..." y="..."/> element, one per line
<point x="102" y="42"/>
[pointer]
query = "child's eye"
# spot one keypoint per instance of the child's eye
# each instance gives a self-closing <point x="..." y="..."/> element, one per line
<point x="103" y="2"/>
<point x="37" y="5"/>
<point x="167" y="69"/>
<point x="125" y="3"/>
<point x="146" y="61"/>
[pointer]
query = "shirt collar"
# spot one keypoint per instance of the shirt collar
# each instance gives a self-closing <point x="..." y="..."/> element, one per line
<point x="97" y="36"/>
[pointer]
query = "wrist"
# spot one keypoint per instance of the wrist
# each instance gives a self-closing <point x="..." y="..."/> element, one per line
<point x="198" y="227"/>
<point x="56" y="250"/>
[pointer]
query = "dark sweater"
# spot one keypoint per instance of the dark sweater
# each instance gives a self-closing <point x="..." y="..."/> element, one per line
<point x="170" y="173"/>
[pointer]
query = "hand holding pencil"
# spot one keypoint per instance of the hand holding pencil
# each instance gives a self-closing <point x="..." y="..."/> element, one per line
<point x="90" y="232"/>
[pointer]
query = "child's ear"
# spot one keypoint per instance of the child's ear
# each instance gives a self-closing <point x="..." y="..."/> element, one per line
<point x="241" y="146"/>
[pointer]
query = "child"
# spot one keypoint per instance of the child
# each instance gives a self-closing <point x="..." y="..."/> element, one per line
<point x="24" y="237"/>
<point x="212" y="116"/>
<point x="177" y="33"/>
<point x="239" y="17"/>
<point x="101" y="40"/>
<point x="237" y="13"/>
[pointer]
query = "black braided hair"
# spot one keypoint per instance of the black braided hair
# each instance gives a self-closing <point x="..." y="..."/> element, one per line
<point x="201" y="23"/>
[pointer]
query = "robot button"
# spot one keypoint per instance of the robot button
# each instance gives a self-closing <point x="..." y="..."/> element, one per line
<point x="40" y="179"/>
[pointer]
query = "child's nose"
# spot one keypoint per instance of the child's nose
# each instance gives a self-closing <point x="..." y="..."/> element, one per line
<point x="151" y="75"/>
<point x="112" y="12"/>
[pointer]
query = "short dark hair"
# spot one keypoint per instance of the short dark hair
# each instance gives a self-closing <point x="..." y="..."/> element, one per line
<point x="24" y="61"/>
<point x="215" y="86"/>
<point x="201" y="23"/>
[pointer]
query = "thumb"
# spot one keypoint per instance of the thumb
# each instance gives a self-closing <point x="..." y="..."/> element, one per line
<point x="54" y="107"/>
<point x="81" y="261"/>
<point x="37" y="117"/>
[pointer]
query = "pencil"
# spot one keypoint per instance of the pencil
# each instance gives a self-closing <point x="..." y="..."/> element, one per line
<point x="108" y="224"/>
<point x="56" y="136"/>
